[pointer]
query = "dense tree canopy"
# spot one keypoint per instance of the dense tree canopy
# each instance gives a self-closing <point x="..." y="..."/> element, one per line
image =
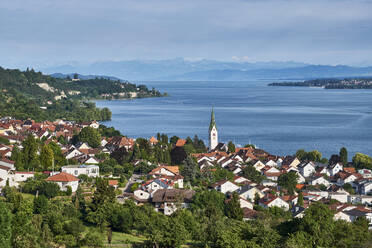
<point x="361" y="161"/>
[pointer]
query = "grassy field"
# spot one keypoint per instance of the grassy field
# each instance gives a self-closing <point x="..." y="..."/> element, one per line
<point x="118" y="239"/>
<point x="26" y="196"/>
<point x="124" y="239"/>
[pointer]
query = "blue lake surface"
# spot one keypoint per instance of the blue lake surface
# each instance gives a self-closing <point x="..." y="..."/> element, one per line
<point x="280" y="120"/>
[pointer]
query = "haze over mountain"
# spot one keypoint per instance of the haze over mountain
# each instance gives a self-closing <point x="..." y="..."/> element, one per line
<point x="181" y="69"/>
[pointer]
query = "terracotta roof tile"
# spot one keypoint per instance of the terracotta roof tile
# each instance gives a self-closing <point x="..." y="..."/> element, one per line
<point x="62" y="177"/>
<point x="181" y="142"/>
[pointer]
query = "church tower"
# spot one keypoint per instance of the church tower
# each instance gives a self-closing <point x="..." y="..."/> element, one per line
<point x="213" y="134"/>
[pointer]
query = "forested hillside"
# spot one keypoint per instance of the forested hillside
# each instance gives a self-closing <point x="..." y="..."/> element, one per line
<point x="30" y="94"/>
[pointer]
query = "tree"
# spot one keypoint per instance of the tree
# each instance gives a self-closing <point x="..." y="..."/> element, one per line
<point x="252" y="174"/>
<point x="178" y="155"/>
<point x="120" y="155"/>
<point x="361" y="161"/>
<point x="190" y="170"/>
<point x="91" y="136"/>
<point x="49" y="189"/>
<point x="17" y="157"/>
<point x="104" y="193"/>
<point x="173" y="140"/>
<point x="348" y="188"/>
<point x="40" y="204"/>
<point x="334" y="159"/>
<point x="68" y="191"/>
<point x="288" y="181"/>
<point x="93" y="239"/>
<point x="205" y="199"/>
<point x="46" y="157"/>
<point x="315" y="156"/>
<point x="300" y="199"/>
<point x="256" y="198"/>
<point x="231" y="147"/>
<point x="343" y="156"/>
<point x="301" y="154"/>
<point x="4" y="141"/>
<point x="164" y="138"/>
<point x="5" y="226"/>
<point x="221" y="173"/>
<point x="30" y="148"/>
<point x="318" y="223"/>
<point x="233" y="209"/>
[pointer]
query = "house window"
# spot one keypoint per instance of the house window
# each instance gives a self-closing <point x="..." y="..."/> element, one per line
<point x="76" y="172"/>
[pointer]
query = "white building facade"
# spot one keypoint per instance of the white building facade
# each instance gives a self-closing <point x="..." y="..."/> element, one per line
<point x="77" y="170"/>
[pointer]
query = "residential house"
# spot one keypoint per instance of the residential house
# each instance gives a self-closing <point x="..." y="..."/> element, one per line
<point x="141" y="195"/>
<point x="273" y="201"/>
<point x="165" y="170"/>
<point x="225" y="186"/>
<point x="249" y="214"/>
<point x="365" y="173"/>
<point x="365" y="187"/>
<point x="169" y="200"/>
<point x="73" y="152"/>
<point x="341" y="197"/>
<point x="258" y="165"/>
<point x="77" y="170"/>
<point x="113" y="183"/>
<point x="5" y="175"/>
<point x="63" y="180"/>
<point x="319" y="180"/>
<point x="155" y="184"/>
<point x="249" y="193"/>
<point x="291" y="161"/>
<point x="180" y="142"/>
<point x="22" y="176"/>
<point x="306" y="169"/>
<point x="335" y="168"/>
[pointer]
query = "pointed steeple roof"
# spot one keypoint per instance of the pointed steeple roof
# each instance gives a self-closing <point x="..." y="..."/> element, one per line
<point x="213" y="121"/>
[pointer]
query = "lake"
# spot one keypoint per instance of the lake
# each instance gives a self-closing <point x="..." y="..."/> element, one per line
<point x="280" y="120"/>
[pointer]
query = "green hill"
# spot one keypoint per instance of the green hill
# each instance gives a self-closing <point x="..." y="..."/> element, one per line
<point x="30" y="94"/>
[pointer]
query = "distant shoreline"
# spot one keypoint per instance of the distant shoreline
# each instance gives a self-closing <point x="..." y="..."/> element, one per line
<point x="348" y="83"/>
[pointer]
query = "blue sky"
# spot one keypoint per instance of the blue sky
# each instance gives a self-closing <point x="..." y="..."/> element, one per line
<point x="52" y="32"/>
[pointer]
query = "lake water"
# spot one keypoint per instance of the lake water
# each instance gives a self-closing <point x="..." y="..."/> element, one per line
<point x="280" y="120"/>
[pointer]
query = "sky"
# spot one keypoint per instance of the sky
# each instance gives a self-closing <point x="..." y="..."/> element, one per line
<point x="55" y="32"/>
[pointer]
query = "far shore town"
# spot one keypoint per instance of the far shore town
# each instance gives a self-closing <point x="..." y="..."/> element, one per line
<point x="256" y="176"/>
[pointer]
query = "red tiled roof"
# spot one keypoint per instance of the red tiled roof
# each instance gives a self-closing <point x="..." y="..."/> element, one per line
<point x="62" y="177"/>
<point x="153" y="140"/>
<point x="25" y="172"/>
<point x="181" y="142"/>
<point x="173" y="169"/>
<point x="349" y="169"/>
<point x="113" y="182"/>
<point x="300" y="186"/>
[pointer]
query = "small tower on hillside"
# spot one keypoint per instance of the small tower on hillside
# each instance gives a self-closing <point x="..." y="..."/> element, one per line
<point x="213" y="134"/>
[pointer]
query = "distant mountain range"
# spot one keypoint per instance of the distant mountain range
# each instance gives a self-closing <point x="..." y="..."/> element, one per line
<point x="84" y="77"/>
<point x="181" y="69"/>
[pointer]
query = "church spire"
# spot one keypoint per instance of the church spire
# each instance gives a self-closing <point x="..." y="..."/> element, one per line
<point x="213" y="133"/>
<point x="213" y="121"/>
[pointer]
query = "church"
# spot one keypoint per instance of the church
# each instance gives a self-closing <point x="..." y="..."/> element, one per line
<point x="213" y="134"/>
